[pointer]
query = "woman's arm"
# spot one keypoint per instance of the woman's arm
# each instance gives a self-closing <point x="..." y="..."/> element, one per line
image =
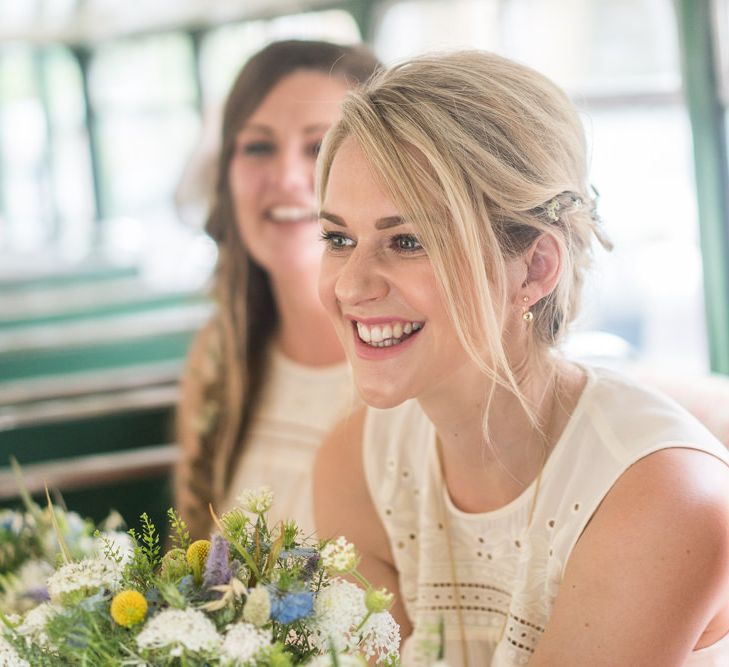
<point x="343" y="506"/>
<point x="648" y="581"/>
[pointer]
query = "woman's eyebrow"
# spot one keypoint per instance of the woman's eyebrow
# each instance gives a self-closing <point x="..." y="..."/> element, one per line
<point x="316" y="127"/>
<point x="381" y="223"/>
<point x="388" y="221"/>
<point x="335" y="219"/>
<point x="265" y="129"/>
<point x="255" y="127"/>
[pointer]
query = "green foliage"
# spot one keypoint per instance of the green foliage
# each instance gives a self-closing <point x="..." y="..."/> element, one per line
<point x="109" y="549"/>
<point x="235" y="525"/>
<point x="179" y="534"/>
<point x="150" y="540"/>
<point x="145" y="556"/>
<point x="172" y="595"/>
<point x="289" y="532"/>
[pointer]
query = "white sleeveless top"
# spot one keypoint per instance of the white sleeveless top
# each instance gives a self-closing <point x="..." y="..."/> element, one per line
<point x="509" y="574"/>
<point x="298" y="407"/>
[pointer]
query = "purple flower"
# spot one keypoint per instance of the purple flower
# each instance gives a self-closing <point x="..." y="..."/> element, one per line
<point x="217" y="566"/>
<point x="288" y="608"/>
<point x="38" y="594"/>
<point x="307" y="572"/>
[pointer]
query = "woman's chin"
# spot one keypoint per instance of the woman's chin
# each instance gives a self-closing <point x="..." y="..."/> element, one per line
<point x="381" y="398"/>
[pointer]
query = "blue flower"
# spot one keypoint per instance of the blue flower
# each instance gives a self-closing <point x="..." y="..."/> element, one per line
<point x="297" y="552"/>
<point x="288" y="608"/>
<point x="186" y="585"/>
<point x="154" y="599"/>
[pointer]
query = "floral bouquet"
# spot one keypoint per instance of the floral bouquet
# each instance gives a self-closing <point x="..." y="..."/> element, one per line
<point x="253" y="595"/>
<point x="30" y="548"/>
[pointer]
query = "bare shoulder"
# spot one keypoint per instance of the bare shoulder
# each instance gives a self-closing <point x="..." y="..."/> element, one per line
<point x="648" y="581"/>
<point x="672" y="488"/>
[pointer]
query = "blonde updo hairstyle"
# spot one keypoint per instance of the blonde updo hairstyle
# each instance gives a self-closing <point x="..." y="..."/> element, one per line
<point x="480" y="154"/>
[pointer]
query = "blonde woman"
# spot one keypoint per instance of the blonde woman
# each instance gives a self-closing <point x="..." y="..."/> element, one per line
<point x="545" y="512"/>
<point x="266" y="378"/>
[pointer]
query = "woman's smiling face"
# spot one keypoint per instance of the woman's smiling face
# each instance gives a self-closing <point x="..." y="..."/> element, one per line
<point x="271" y="173"/>
<point x="378" y="286"/>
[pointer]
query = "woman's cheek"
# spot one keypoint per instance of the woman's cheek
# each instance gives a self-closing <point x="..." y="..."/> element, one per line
<point x="326" y="285"/>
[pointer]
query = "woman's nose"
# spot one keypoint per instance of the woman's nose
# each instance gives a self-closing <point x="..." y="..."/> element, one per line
<point x="293" y="172"/>
<point x="360" y="280"/>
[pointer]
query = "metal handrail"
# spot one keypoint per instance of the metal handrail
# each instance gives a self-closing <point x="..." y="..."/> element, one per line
<point x="90" y="471"/>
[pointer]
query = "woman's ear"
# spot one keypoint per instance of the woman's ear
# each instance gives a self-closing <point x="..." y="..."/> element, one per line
<point x="543" y="267"/>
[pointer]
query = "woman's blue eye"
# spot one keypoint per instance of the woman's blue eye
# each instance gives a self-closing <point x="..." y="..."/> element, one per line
<point x="257" y="148"/>
<point x="315" y="148"/>
<point x="335" y="241"/>
<point x="407" y="243"/>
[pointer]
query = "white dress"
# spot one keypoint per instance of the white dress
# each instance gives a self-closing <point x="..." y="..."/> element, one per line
<point x="509" y="574"/>
<point x="298" y="406"/>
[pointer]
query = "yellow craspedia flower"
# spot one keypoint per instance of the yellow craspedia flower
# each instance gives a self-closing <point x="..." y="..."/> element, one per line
<point x="128" y="608"/>
<point x="197" y="554"/>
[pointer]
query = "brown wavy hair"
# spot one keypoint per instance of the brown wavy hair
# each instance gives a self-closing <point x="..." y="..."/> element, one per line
<point x="227" y="389"/>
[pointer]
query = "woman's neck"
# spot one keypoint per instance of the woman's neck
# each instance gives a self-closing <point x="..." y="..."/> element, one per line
<point x="484" y="473"/>
<point x="305" y="334"/>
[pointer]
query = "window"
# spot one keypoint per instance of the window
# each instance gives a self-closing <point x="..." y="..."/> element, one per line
<point x="45" y="179"/>
<point x="619" y="60"/>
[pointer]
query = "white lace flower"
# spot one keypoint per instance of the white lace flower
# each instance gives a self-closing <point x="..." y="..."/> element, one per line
<point x="242" y="644"/>
<point x="75" y="581"/>
<point x="257" y="500"/>
<point x="339" y="556"/>
<point x="257" y="609"/>
<point x="180" y="630"/>
<point x="339" y="609"/>
<point x="9" y="656"/>
<point x="380" y="637"/>
<point x="33" y="627"/>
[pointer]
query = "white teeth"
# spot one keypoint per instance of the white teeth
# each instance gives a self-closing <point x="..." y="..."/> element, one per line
<point x="291" y="213"/>
<point x="386" y="335"/>
<point x="364" y="332"/>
